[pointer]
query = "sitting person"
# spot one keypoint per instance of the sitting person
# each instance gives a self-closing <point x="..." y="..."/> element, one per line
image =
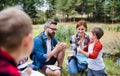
<point x="16" y="41"/>
<point x="75" y="41"/>
<point x="94" y="53"/>
<point x="47" y="50"/>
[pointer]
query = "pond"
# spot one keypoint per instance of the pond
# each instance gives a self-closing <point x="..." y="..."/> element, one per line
<point x="118" y="60"/>
<point x="115" y="58"/>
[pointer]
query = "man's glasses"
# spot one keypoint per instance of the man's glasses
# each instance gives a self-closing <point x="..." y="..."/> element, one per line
<point x="54" y="29"/>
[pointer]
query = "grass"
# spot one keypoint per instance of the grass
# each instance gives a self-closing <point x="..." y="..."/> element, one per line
<point x="110" y="40"/>
<point x="112" y="68"/>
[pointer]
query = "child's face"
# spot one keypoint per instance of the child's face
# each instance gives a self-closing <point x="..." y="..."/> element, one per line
<point x="92" y="37"/>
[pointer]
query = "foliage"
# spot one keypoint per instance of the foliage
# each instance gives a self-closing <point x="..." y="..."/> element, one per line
<point x="113" y="28"/>
<point x="50" y="13"/>
<point x="62" y="11"/>
<point x="64" y="8"/>
<point x="29" y="6"/>
<point x="65" y="32"/>
<point x="95" y="10"/>
<point x="111" y="67"/>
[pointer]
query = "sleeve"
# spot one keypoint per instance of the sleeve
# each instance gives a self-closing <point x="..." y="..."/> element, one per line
<point x="38" y="54"/>
<point x="86" y="48"/>
<point x="97" y="48"/>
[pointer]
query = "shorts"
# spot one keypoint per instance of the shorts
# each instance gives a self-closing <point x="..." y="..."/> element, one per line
<point x="52" y="61"/>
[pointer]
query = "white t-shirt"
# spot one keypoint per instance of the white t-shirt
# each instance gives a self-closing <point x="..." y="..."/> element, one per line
<point x="95" y="64"/>
<point x="48" y="46"/>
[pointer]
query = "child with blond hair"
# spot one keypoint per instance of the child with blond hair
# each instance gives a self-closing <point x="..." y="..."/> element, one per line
<point x="16" y="41"/>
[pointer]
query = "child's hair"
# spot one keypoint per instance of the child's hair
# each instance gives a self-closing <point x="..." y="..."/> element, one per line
<point x="81" y="23"/>
<point x="14" y="26"/>
<point x="98" y="31"/>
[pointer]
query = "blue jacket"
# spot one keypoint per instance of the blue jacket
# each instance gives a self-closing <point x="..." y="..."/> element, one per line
<point x="39" y="53"/>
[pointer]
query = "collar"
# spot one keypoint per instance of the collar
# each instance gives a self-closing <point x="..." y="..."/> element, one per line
<point x="44" y="36"/>
<point x="5" y="56"/>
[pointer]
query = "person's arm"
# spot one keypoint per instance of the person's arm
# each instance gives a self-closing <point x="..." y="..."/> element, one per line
<point x="97" y="48"/>
<point x="83" y="52"/>
<point x="54" y="43"/>
<point x="53" y="52"/>
<point x="59" y="47"/>
<point x="73" y="45"/>
<point x="38" y="51"/>
<point x="94" y="54"/>
<point x="27" y="72"/>
<point x="85" y="48"/>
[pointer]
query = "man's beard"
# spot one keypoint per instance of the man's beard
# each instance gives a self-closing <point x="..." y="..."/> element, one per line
<point x="51" y="34"/>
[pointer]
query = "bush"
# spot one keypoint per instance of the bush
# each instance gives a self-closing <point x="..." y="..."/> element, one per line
<point x="38" y="21"/>
<point x="113" y="28"/>
<point x="64" y="33"/>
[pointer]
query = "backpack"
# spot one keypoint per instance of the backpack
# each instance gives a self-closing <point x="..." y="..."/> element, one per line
<point x="82" y="62"/>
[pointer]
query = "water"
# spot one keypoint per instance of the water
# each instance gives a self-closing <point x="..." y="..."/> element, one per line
<point x="118" y="61"/>
<point x="115" y="58"/>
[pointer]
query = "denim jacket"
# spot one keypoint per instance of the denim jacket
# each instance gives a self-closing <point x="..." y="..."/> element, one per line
<point x="39" y="53"/>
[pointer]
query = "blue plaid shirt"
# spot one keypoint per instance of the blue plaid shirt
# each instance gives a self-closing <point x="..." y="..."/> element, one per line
<point x="74" y="44"/>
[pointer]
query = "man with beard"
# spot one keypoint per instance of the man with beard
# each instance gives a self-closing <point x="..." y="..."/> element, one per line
<point x="47" y="50"/>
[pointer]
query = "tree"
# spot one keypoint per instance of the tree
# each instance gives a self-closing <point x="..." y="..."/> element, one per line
<point x="114" y="12"/>
<point x="68" y="9"/>
<point x="29" y="6"/>
<point x="50" y="13"/>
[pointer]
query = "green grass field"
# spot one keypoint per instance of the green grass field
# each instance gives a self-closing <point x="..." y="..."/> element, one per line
<point x="110" y="40"/>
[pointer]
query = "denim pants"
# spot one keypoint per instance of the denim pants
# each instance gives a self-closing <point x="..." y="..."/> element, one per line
<point x="72" y="67"/>
<point x="97" y="73"/>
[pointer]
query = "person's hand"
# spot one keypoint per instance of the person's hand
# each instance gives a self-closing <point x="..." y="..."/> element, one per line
<point x="60" y="46"/>
<point x="79" y="50"/>
<point x="80" y="43"/>
<point x="28" y="71"/>
<point x="63" y="45"/>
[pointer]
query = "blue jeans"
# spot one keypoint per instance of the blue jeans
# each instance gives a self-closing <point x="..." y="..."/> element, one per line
<point x="77" y="63"/>
<point x="96" y="73"/>
<point x="72" y="66"/>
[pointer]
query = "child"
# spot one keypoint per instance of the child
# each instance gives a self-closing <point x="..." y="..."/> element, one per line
<point x="16" y="41"/>
<point x="95" y="62"/>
